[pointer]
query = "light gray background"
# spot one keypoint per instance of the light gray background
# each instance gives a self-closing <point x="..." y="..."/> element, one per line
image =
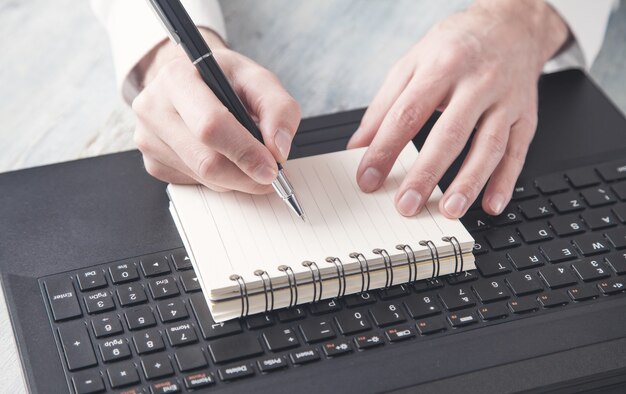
<point x="58" y="100"/>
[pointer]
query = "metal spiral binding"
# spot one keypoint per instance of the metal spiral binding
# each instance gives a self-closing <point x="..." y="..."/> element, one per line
<point x="410" y="259"/>
<point x="341" y="275"/>
<point x="265" y="276"/>
<point x="293" y="284"/>
<point x="388" y="266"/>
<point x="308" y="264"/>
<point x="243" y="291"/>
<point x="434" y="255"/>
<point x="362" y="261"/>
<point x="458" y="254"/>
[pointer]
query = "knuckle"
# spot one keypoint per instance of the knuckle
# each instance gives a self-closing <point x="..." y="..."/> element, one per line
<point x="425" y="179"/>
<point x="174" y="70"/>
<point x="208" y="125"/>
<point x="408" y="116"/>
<point x="495" y="143"/>
<point x="140" y="140"/>
<point x="140" y="104"/>
<point x="153" y="168"/>
<point x="455" y="134"/>
<point x="248" y="158"/>
<point x="207" y="166"/>
<point x="472" y="183"/>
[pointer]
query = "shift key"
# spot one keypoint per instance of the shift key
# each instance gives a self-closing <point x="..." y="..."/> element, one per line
<point x="77" y="346"/>
<point x="62" y="298"/>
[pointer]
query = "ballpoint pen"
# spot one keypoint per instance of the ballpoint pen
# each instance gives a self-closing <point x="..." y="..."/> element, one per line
<point x="184" y="32"/>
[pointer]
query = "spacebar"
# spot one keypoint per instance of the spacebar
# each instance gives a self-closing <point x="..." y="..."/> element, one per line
<point x="235" y="348"/>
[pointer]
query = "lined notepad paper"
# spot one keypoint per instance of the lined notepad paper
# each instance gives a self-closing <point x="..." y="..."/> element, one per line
<point x="237" y="233"/>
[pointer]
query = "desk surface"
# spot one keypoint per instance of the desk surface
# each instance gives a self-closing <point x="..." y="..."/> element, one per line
<point x="72" y="110"/>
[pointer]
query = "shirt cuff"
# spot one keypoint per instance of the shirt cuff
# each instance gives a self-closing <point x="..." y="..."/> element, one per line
<point x="587" y="21"/>
<point x="134" y="31"/>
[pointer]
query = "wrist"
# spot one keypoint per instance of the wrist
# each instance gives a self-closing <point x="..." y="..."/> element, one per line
<point x="166" y="51"/>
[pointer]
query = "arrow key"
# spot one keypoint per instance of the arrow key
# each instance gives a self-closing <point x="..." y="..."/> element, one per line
<point x="190" y="281"/>
<point x="154" y="265"/>
<point x="181" y="260"/>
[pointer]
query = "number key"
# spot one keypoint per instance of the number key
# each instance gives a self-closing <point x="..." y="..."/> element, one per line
<point x="589" y="270"/>
<point x="106" y="325"/>
<point x="386" y="314"/>
<point x="491" y="291"/>
<point x="163" y="288"/>
<point x="148" y="341"/>
<point x="523" y="284"/>
<point x="99" y="302"/>
<point x="350" y="322"/>
<point x="422" y="306"/>
<point x="131" y="294"/>
<point x="556" y="277"/>
<point x="456" y="298"/>
<point x="121" y="273"/>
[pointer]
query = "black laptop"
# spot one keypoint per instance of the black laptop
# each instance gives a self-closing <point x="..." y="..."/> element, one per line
<point x="102" y="296"/>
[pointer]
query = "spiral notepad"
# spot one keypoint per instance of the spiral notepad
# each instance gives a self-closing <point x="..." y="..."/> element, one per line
<point x="252" y="255"/>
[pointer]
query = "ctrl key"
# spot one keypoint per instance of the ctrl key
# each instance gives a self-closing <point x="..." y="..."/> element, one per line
<point x="235" y="372"/>
<point x="199" y="380"/>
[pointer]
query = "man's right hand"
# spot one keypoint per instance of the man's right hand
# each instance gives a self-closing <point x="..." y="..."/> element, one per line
<point x="186" y="134"/>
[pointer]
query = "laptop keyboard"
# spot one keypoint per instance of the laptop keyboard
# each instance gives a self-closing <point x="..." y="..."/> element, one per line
<point x="142" y="325"/>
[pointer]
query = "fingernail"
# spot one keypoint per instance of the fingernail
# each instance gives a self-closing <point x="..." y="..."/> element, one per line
<point x="282" y="139"/>
<point x="265" y="174"/>
<point x="455" y="205"/>
<point x="496" y="203"/>
<point x="409" y="203"/>
<point x="370" y="179"/>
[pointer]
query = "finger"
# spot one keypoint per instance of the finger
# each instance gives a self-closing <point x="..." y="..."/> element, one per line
<point x="165" y="173"/>
<point x="486" y="151"/>
<point x="405" y="118"/>
<point x="444" y="143"/>
<point x="500" y="187"/>
<point x="278" y="113"/>
<point x="395" y="82"/>
<point x="213" y="125"/>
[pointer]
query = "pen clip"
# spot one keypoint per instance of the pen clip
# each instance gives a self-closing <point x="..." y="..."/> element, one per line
<point x="164" y="21"/>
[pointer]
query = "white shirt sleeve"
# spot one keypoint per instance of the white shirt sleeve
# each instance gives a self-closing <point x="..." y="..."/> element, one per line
<point x="587" y="21"/>
<point x="134" y="30"/>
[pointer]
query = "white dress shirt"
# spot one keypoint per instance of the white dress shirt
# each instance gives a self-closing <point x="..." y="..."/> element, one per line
<point x="133" y="31"/>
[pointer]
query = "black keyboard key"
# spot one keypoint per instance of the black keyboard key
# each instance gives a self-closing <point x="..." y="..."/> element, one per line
<point x="492" y="312"/>
<point x="156" y="366"/>
<point x="88" y="382"/>
<point x="324" y="306"/>
<point x="462" y="277"/>
<point x="337" y="348"/>
<point x="430" y="325"/>
<point x="454" y="298"/>
<point x="131" y="294"/>
<point x="510" y="215"/>
<point x="165" y="387"/>
<point x="492" y="264"/>
<point x="535" y="209"/>
<point x="567" y="202"/>
<point x="77" y="346"/>
<point x="393" y="292"/>
<point x="557" y="276"/>
<point x="490" y="291"/>
<point x="523" y="305"/>
<point x="620" y="212"/>
<point x="148" y="341"/>
<point x="552" y="299"/>
<point x="163" y="288"/>
<point x="99" y="302"/>
<point x="591" y="244"/>
<point x="122" y="374"/>
<point x="502" y="239"/>
<point x="427" y="284"/>
<point x="612" y="286"/>
<point x="558" y="251"/>
<point x="525" y="258"/>
<point x="480" y="245"/>
<point x="591" y="269"/>
<point x="190" y="358"/>
<point x="199" y="380"/>
<point x="190" y="282"/>
<point x="582" y="177"/>
<point x="140" y="317"/>
<point x="620" y="190"/>
<point x="535" y="232"/>
<point x="91" y="280"/>
<point x="123" y="272"/>
<point x="367" y="341"/>
<point x="522" y="284"/>
<point x="300" y="357"/>
<point x="209" y="328"/>
<point x="235" y="372"/>
<point x="173" y="310"/>
<point x="260" y="320"/>
<point x="476" y="220"/>
<point x="582" y="292"/>
<point x="523" y="190"/>
<point x="238" y="347"/>
<point x="270" y="364"/>
<point x="360" y="299"/>
<point x="291" y="314"/>
<point x="421" y="306"/>
<point x="181" y="334"/>
<point x="181" y="260"/>
<point x="567" y="225"/>
<point x="552" y="183"/>
<point x="461" y="319"/>
<point x="617" y="237"/>
<point x="599" y="219"/>
<point x="104" y="326"/>
<point x="315" y="330"/>
<point x="386" y="314"/>
<point x="62" y="298"/>
<point x="598" y="196"/>
<point x="613" y="171"/>
<point x="350" y="322"/>
<point x="400" y="333"/>
<point x="114" y="349"/>
<point x="154" y="265"/>
<point x="617" y="261"/>
<point x="280" y="338"/>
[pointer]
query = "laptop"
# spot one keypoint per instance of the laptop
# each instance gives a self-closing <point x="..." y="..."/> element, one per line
<point x="102" y="297"/>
